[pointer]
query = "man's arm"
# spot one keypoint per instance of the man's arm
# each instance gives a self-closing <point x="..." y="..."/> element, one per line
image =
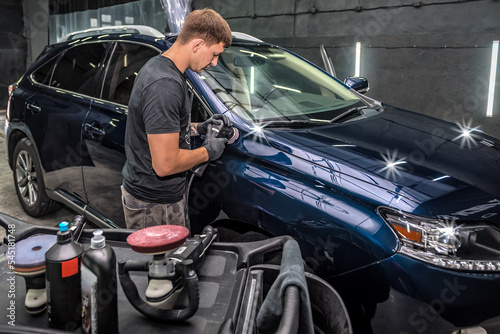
<point x="168" y="158"/>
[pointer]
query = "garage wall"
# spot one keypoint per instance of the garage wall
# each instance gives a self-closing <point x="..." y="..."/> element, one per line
<point x="141" y="12"/>
<point x="432" y="57"/>
<point x="36" y="27"/>
<point x="12" y="46"/>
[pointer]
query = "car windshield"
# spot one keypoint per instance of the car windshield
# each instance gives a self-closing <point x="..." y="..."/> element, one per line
<point x="265" y="84"/>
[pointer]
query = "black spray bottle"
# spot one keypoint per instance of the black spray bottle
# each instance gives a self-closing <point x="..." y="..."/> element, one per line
<point x="62" y="266"/>
<point x="99" y="288"/>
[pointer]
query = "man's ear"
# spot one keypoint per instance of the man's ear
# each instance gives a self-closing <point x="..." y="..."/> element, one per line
<point x="197" y="44"/>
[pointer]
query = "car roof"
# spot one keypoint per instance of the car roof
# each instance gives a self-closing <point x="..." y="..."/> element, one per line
<point x="121" y="29"/>
<point x="140" y="30"/>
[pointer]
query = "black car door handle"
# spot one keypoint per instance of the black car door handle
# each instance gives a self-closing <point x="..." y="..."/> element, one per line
<point x="34" y="108"/>
<point x="94" y="131"/>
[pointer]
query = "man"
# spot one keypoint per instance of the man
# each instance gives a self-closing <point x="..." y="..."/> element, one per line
<point x="157" y="137"/>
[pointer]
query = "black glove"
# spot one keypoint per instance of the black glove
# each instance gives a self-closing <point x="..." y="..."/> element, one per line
<point x="203" y="127"/>
<point x="215" y="146"/>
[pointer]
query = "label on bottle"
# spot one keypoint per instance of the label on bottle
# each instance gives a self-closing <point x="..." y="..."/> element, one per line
<point x="69" y="268"/>
<point x="89" y="301"/>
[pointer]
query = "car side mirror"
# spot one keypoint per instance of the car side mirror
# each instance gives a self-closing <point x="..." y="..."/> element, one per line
<point x="358" y="84"/>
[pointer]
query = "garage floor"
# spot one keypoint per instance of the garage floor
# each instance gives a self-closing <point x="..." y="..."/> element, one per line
<point x="9" y="203"/>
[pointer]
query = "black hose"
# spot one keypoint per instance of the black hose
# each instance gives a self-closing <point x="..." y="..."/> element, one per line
<point x="289" y="323"/>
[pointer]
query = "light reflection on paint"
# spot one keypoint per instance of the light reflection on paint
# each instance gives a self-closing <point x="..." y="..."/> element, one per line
<point x="441" y="178"/>
<point x="392" y="164"/>
<point x="466" y="133"/>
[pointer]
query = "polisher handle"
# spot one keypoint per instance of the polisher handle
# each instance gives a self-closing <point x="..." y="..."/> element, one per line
<point x="190" y="283"/>
<point x="132" y="265"/>
<point x="208" y="236"/>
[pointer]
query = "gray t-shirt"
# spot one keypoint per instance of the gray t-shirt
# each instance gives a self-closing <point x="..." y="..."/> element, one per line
<point x="159" y="103"/>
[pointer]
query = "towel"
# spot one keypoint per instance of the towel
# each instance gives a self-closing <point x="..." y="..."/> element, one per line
<point x="291" y="273"/>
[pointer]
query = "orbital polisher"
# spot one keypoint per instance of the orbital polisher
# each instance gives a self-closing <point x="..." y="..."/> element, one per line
<point x="171" y="271"/>
<point x="221" y="131"/>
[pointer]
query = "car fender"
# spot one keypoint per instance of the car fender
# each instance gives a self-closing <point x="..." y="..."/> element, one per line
<point x="15" y="131"/>
<point x="276" y="192"/>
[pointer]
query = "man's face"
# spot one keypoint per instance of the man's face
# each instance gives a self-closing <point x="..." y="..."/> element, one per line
<point x="206" y="56"/>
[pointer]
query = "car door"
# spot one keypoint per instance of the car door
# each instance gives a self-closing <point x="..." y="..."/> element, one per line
<point x="104" y="131"/>
<point x="55" y="113"/>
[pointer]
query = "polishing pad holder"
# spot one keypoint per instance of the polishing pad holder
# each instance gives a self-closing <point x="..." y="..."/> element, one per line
<point x="29" y="260"/>
<point x="170" y="271"/>
<point x="31" y="267"/>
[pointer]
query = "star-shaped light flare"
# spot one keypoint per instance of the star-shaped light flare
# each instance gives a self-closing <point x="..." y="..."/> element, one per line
<point x="393" y="166"/>
<point x="466" y="135"/>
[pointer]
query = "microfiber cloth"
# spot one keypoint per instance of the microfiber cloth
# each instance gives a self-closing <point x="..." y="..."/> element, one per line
<point x="291" y="273"/>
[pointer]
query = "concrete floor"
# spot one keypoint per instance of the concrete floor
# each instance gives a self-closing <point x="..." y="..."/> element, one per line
<point x="9" y="203"/>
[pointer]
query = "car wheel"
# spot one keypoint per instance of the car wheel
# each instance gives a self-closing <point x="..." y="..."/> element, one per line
<point x="28" y="181"/>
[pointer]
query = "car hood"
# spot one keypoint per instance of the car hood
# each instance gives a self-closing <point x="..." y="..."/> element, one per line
<point x="446" y="168"/>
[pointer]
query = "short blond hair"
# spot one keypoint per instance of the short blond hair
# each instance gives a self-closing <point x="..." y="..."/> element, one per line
<point x="208" y="25"/>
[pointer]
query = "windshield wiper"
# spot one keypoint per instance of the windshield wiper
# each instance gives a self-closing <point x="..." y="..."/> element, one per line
<point x="294" y="123"/>
<point x="347" y="113"/>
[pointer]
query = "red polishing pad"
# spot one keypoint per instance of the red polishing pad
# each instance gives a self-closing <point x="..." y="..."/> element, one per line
<point x="157" y="239"/>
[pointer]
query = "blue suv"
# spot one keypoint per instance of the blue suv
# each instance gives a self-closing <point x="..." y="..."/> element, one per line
<point x="397" y="210"/>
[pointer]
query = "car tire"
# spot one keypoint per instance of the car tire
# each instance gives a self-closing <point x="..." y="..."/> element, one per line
<point x="28" y="181"/>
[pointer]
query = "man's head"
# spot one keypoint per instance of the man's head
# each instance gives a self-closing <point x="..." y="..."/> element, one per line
<point x="207" y="34"/>
<point x="208" y="25"/>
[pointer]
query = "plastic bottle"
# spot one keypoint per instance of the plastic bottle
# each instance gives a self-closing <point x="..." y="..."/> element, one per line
<point x="99" y="288"/>
<point x="62" y="266"/>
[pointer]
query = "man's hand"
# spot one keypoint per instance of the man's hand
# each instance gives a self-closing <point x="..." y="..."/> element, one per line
<point x="203" y="127"/>
<point x="215" y="146"/>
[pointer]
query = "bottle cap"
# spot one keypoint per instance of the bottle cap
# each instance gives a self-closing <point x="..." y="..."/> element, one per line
<point x="64" y="235"/>
<point x="63" y="226"/>
<point x="98" y="240"/>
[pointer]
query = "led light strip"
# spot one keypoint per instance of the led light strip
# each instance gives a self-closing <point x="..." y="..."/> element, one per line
<point x="493" y="74"/>
<point x="457" y="264"/>
<point x="358" y="59"/>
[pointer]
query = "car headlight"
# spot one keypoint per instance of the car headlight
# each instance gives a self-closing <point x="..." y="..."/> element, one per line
<point x="467" y="246"/>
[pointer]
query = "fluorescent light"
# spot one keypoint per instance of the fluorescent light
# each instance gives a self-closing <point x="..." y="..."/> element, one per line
<point x="358" y="59"/>
<point x="493" y="74"/>
<point x="287" y="88"/>
<point x="253" y="54"/>
<point x="252" y="80"/>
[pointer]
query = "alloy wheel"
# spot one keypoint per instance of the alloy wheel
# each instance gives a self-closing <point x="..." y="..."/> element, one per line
<point x="26" y="178"/>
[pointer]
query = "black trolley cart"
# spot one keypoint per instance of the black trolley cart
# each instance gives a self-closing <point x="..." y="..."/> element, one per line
<point x="233" y="280"/>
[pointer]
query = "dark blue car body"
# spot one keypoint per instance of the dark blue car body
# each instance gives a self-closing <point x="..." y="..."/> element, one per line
<point x="329" y="186"/>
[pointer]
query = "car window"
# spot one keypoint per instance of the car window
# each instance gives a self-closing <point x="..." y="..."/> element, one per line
<point x="43" y="73"/>
<point x="263" y="83"/>
<point x="79" y="68"/>
<point x="126" y="61"/>
<point x="198" y="111"/>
